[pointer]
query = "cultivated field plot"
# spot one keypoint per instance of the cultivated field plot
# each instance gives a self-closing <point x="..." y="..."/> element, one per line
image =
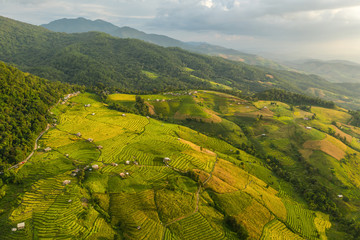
<point x="296" y="220"/>
<point x="276" y="230"/>
<point x="328" y="115"/>
<point x="195" y="227"/>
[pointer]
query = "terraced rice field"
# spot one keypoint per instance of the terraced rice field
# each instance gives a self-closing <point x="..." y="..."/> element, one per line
<point x="276" y="230"/>
<point x="195" y="227"/>
<point x="153" y="200"/>
<point x="301" y="220"/>
<point x="137" y="213"/>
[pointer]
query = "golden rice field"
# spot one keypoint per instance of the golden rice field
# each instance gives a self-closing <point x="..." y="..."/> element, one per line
<point x="131" y="193"/>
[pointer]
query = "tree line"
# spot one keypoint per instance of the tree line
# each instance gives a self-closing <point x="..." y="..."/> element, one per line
<point x="293" y="98"/>
<point x="24" y="103"/>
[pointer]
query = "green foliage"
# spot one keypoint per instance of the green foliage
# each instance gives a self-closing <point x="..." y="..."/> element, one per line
<point x="293" y="98"/>
<point x="356" y="118"/>
<point x="238" y="228"/>
<point x="24" y="103"/>
<point x="141" y="107"/>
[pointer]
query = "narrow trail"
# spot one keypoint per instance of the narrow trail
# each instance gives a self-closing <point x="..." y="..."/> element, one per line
<point x="37" y="139"/>
<point x="34" y="149"/>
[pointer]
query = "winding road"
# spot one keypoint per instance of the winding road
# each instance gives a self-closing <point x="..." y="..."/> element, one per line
<point x="35" y="147"/>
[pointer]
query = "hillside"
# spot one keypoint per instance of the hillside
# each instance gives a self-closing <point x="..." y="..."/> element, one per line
<point x="333" y="71"/>
<point x="312" y="148"/>
<point x="25" y="100"/>
<point x="126" y="176"/>
<point x="80" y="25"/>
<point x="97" y="59"/>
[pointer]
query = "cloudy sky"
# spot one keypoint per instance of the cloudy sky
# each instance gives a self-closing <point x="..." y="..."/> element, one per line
<point x="325" y="29"/>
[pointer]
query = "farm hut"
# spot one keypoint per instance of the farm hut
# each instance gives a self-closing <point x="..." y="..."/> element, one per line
<point x="124" y="115"/>
<point x="90" y="140"/>
<point x="127" y="162"/>
<point x="21" y="225"/>
<point x="166" y="160"/>
<point x="99" y="147"/>
<point x="69" y="201"/>
<point x="78" y="134"/>
<point x="158" y="100"/>
<point x="48" y="149"/>
<point x="93" y="114"/>
<point x="263" y="134"/>
<point x="87" y="105"/>
<point x="114" y="164"/>
<point x="195" y="92"/>
<point x="340" y="196"/>
<point x="138" y="227"/>
<point x="14" y="229"/>
<point x="95" y="166"/>
<point x="127" y="173"/>
<point x="66" y="182"/>
<point x="265" y="107"/>
<point x="73" y="174"/>
<point x="147" y="117"/>
<point x="122" y="175"/>
<point x="136" y="163"/>
<point x="67" y="155"/>
<point x="308" y="127"/>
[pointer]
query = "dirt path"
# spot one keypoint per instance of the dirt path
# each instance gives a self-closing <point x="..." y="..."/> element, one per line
<point x="37" y="139"/>
<point x="35" y="147"/>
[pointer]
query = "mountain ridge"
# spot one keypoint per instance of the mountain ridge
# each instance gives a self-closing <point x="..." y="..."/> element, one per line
<point x="85" y="25"/>
<point x="337" y="71"/>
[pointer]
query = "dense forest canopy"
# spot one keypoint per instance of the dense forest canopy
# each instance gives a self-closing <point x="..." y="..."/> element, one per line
<point x="24" y="103"/>
<point x="293" y="98"/>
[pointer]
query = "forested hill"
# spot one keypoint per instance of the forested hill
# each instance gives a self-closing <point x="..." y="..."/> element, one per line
<point x="98" y="59"/>
<point x="24" y="103"/>
<point x="80" y="25"/>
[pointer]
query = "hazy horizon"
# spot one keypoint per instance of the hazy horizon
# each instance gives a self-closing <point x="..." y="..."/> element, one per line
<point x="276" y="29"/>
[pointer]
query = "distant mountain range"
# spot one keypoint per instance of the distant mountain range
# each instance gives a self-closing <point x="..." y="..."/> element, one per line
<point x="333" y="71"/>
<point x="80" y="25"/>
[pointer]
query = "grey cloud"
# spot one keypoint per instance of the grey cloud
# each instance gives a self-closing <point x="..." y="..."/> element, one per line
<point x="285" y="19"/>
<point x="256" y="24"/>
